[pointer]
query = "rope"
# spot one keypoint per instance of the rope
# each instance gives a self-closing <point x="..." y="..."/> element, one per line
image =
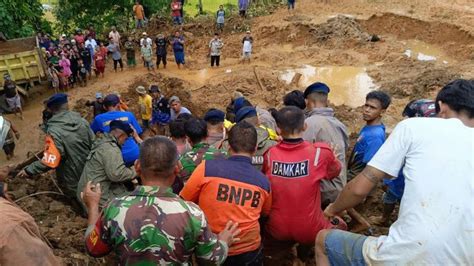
<point x="39" y="193"/>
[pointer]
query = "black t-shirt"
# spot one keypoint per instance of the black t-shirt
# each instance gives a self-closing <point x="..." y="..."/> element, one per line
<point x="161" y="45"/>
<point x="161" y="105"/>
<point x="86" y="56"/>
<point x="10" y="89"/>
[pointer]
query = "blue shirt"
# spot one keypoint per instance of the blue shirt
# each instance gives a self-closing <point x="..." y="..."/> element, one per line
<point x="397" y="185"/>
<point x="369" y="142"/>
<point x="130" y="149"/>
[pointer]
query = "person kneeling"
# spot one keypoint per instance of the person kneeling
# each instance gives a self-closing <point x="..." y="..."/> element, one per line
<point x="295" y="169"/>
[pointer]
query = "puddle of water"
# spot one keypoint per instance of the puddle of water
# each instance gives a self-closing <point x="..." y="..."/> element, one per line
<point x="349" y="85"/>
<point x="424" y="52"/>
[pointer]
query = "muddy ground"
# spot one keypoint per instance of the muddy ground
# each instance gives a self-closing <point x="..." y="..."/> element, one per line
<point x="317" y="35"/>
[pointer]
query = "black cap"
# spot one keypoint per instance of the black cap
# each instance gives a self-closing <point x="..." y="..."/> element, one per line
<point x="124" y="126"/>
<point x="316" y="87"/>
<point x="56" y="100"/>
<point x="111" y="100"/>
<point x="420" y="108"/>
<point x="214" y="115"/>
<point x="245" y="112"/>
<point x="154" y="88"/>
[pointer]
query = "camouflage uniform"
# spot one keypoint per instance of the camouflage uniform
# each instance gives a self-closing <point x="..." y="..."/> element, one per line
<point x="264" y="142"/>
<point x="154" y="226"/>
<point x="191" y="159"/>
<point x="105" y="165"/>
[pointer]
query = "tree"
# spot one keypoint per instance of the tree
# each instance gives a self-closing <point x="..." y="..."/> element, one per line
<point x="21" y="18"/>
<point x="102" y="14"/>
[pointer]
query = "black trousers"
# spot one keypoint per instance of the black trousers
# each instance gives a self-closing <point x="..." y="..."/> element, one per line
<point x="252" y="258"/>
<point x="119" y="62"/>
<point x="159" y="59"/>
<point x="215" y="59"/>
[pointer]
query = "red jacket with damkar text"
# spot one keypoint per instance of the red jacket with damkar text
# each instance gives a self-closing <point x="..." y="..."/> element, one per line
<point x="295" y="168"/>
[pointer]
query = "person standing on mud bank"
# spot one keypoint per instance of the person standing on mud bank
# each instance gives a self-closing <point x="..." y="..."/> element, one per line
<point x="21" y="242"/>
<point x="220" y="18"/>
<point x="67" y="144"/>
<point x="322" y="126"/>
<point x="147" y="55"/>
<point x="178" y="228"/>
<point x="176" y="12"/>
<point x="139" y="13"/>
<point x="116" y="55"/>
<point x="178" y="49"/>
<point x="101" y="123"/>
<point x="130" y="49"/>
<point x="232" y="189"/>
<point x="295" y="168"/>
<point x="243" y="5"/>
<point x="105" y="165"/>
<point x="115" y="36"/>
<point x="8" y="133"/>
<point x="372" y="135"/>
<point x="434" y="225"/>
<point x="215" y="46"/>
<point x="11" y="95"/>
<point x="247" y="43"/>
<point x="161" y="50"/>
<point x="291" y="5"/>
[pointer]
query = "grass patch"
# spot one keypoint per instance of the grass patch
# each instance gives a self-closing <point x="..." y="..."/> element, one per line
<point x="209" y="6"/>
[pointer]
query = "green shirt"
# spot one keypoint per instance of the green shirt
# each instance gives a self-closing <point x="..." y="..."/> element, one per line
<point x="154" y="226"/>
<point x="191" y="159"/>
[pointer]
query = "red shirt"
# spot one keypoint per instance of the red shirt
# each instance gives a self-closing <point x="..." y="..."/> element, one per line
<point x="295" y="169"/>
<point x="175" y="9"/>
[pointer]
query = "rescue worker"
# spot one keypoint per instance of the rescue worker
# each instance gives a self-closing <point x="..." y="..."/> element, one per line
<point x="101" y="124"/>
<point x="295" y="168"/>
<point x="68" y="143"/>
<point x="232" y="189"/>
<point x="153" y="225"/>
<point x="264" y="142"/>
<point x="21" y="242"/>
<point x="215" y="127"/>
<point x="322" y="126"/>
<point x="196" y="134"/>
<point x="105" y="165"/>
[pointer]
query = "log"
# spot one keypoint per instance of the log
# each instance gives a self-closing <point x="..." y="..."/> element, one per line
<point x="258" y="79"/>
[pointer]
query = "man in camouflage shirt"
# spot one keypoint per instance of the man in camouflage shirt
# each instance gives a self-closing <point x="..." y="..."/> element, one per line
<point x="196" y="133"/>
<point x="152" y="225"/>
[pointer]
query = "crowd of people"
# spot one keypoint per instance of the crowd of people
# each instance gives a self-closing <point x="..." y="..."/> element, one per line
<point x="245" y="185"/>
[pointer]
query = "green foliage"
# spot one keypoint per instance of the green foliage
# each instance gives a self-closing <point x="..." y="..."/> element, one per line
<point x="102" y="14"/>
<point x="21" y="18"/>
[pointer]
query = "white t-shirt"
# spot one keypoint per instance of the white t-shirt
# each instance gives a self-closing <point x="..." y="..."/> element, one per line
<point x="247" y="46"/>
<point x="148" y="40"/>
<point x="435" y="225"/>
<point x="92" y="42"/>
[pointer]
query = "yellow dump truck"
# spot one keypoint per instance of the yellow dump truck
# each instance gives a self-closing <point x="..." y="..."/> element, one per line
<point x="22" y="59"/>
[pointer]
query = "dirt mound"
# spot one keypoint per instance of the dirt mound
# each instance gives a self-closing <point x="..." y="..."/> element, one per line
<point x="83" y="110"/>
<point x="456" y="41"/>
<point x="340" y="28"/>
<point x="17" y="45"/>
<point x="411" y="78"/>
<point x="59" y="224"/>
